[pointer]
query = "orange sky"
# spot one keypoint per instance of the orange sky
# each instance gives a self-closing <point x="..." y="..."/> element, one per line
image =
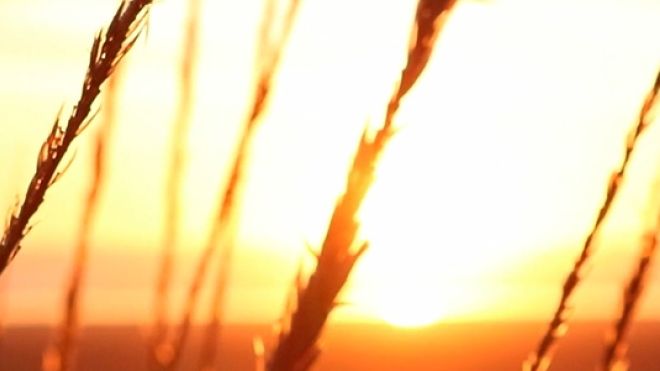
<point x="481" y="202"/>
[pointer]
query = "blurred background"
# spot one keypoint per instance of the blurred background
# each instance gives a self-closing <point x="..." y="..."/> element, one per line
<point x="481" y="203"/>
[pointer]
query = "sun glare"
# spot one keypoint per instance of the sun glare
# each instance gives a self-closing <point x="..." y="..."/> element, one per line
<point x="423" y="252"/>
<point x="409" y="307"/>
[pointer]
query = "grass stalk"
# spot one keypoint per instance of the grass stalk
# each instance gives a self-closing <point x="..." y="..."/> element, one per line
<point x="108" y="49"/>
<point x="616" y="348"/>
<point x="174" y="182"/>
<point x="269" y="54"/>
<point x="61" y="355"/>
<point x="541" y="358"/>
<point x="297" y="347"/>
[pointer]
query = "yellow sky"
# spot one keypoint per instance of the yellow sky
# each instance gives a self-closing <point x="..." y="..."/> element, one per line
<point x="481" y="202"/>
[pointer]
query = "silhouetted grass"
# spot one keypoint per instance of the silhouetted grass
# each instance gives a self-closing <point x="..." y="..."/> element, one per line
<point x="541" y="358"/>
<point x="297" y="348"/>
<point x="108" y="49"/>
<point x="61" y="355"/>
<point x="268" y="61"/>
<point x="269" y="55"/>
<point x="174" y="182"/>
<point x="616" y="349"/>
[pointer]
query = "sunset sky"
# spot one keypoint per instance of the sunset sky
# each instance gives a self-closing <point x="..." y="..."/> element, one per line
<point x="481" y="202"/>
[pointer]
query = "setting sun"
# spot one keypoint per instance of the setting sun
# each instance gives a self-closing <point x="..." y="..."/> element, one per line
<point x="407" y="303"/>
